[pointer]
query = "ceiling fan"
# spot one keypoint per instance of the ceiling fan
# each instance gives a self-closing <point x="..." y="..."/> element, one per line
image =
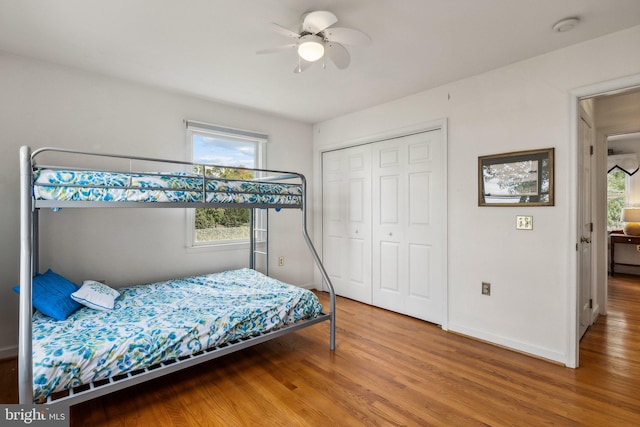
<point x="318" y="39"/>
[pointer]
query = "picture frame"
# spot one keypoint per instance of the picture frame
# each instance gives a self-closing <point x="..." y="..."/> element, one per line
<point x="516" y="179"/>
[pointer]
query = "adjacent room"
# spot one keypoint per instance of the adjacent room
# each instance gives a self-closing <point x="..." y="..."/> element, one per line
<point x="314" y="212"/>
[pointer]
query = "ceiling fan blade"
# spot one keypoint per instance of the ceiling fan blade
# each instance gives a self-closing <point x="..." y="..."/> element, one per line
<point x="284" y="31"/>
<point x="277" y="48"/>
<point x="315" y="22"/>
<point x="302" y="65"/>
<point x="347" y="36"/>
<point x="338" y="54"/>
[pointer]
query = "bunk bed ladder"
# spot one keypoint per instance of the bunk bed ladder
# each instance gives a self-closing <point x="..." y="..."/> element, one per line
<point x="259" y="238"/>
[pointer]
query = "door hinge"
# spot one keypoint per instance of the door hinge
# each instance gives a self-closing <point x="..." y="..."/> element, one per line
<point x="591" y="227"/>
<point x="576" y="247"/>
<point x="591" y="150"/>
<point x="590" y="302"/>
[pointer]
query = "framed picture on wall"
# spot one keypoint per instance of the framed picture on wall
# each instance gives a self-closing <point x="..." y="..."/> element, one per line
<point x="518" y="178"/>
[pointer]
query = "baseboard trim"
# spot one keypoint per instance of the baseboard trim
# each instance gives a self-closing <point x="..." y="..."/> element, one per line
<point x="309" y="286"/>
<point x="510" y="344"/>
<point x="8" y="352"/>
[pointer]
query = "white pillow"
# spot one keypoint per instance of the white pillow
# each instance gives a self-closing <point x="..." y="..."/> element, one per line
<point x="95" y="295"/>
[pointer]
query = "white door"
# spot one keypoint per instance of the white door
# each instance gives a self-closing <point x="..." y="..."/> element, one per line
<point x="346" y="221"/>
<point x="408" y="236"/>
<point x="585" y="137"/>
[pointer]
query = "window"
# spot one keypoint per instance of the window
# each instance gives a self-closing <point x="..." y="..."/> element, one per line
<point x="617" y="185"/>
<point x="220" y="147"/>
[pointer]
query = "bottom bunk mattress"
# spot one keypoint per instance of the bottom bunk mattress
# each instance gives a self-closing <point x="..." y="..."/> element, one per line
<point x="160" y="321"/>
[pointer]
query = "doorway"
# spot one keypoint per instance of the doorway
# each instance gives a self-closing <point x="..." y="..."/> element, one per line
<point x="614" y="109"/>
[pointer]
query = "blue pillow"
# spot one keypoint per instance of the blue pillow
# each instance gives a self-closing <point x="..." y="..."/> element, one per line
<point x="51" y="295"/>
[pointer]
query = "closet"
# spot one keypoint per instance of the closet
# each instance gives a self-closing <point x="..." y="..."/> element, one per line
<point x="384" y="234"/>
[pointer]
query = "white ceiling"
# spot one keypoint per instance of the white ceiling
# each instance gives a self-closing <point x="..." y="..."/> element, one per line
<point x="207" y="47"/>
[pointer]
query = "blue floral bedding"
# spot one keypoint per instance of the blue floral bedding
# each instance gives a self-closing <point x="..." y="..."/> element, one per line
<point x="160" y="321"/>
<point x="155" y="187"/>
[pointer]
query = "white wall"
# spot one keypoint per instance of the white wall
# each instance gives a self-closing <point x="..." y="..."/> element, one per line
<point x="46" y="105"/>
<point x="519" y="107"/>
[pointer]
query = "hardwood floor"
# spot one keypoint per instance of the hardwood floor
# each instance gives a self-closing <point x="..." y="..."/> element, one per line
<point x="390" y="369"/>
<point x="9" y="380"/>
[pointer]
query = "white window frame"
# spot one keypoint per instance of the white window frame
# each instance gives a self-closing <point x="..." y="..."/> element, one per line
<point x="230" y="134"/>
<point x="626" y="195"/>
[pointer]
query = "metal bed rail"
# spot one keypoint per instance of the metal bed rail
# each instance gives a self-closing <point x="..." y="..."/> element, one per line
<point x="40" y="151"/>
<point x="99" y="388"/>
<point x="29" y="265"/>
<point x="266" y="176"/>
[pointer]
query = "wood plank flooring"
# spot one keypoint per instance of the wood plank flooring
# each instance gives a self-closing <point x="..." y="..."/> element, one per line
<point x="391" y="370"/>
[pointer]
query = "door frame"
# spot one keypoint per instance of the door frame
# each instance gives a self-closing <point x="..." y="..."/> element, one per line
<point x="440" y="124"/>
<point x="573" y="312"/>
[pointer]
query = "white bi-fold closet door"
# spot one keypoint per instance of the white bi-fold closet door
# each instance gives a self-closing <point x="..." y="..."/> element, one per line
<point x="383" y="224"/>
<point x="346" y="217"/>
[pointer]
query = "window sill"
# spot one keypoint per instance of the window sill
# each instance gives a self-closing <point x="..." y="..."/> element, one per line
<point x="219" y="246"/>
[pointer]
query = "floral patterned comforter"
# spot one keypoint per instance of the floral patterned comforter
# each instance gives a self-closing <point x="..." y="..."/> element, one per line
<point x="155" y="187"/>
<point x="160" y="321"/>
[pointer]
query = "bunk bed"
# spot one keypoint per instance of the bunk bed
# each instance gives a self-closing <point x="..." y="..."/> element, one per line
<point x="93" y="350"/>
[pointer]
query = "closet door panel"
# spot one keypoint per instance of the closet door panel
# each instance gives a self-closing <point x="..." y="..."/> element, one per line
<point x="356" y="260"/>
<point x="389" y="207"/>
<point x="332" y="249"/>
<point x="418" y="250"/>
<point x="358" y="208"/>
<point x="419" y="209"/>
<point x="347" y="195"/>
<point x="406" y="199"/>
<point x="419" y="265"/>
<point x="390" y="266"/>
<point x="333" y="217"/>
<point x="389" y="293"/>
<point x="388" y="196"/>
<point x="424" y="229"/>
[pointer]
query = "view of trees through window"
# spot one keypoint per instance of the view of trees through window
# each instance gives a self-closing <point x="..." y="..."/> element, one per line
<point x="213" y="224"/>
<point x="616" y="197"/>
<point x="217" y="224"/>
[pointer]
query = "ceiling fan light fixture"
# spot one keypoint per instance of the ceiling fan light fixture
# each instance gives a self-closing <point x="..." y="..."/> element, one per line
<point x="318" y="39"/>
<point x="311" y="48"/>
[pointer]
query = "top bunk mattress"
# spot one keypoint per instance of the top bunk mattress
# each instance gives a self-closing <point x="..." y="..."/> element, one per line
<point x="161" y="321"/>
<point x="100" y="186"/>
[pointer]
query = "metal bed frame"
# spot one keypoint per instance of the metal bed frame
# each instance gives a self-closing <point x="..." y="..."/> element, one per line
<point x="29" y="208"/>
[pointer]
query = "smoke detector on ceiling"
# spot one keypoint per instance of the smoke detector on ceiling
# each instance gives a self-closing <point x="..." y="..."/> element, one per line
<point x="566" y="24"/>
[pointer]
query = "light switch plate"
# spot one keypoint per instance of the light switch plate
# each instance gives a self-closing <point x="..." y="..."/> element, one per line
<point x="524" y="222"/>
